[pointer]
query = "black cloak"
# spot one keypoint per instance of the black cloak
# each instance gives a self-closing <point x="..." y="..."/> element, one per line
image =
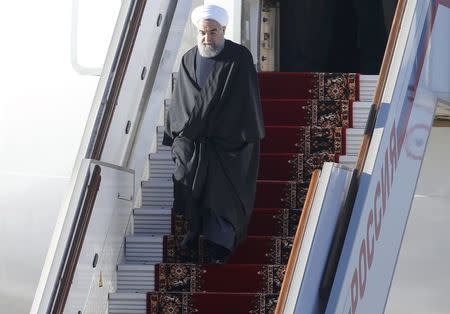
<point x="215" y="132"/>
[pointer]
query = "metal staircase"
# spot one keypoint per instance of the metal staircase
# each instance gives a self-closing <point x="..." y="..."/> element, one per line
<point x="144" y="248"/>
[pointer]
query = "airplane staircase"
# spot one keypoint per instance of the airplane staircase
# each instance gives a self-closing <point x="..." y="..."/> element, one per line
<point x="310" y="118"/>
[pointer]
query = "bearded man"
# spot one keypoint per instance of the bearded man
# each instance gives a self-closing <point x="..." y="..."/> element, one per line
<point x="214" y="125"/>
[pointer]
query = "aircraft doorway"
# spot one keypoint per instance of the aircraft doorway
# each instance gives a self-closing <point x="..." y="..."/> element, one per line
<point x="321" y="35"/>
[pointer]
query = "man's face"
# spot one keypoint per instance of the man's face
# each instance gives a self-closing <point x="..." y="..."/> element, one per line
<point x="210" y="38"/>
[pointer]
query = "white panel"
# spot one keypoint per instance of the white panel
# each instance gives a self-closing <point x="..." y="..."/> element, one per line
<point x="130" y="99"/>
<point x="398" y="53"/>
<point x="104" y="236"/>
<point x="305" y="246"/>
<point x="388" y="182"/>
<point x="138" y="154"/>
<point x="421" y="279"/>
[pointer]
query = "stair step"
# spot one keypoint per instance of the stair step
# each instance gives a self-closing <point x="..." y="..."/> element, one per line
<point x="144" y="249"/>
<point x="280" y="222"/>
<point x="212" y="302"/>
<point x="160" y="156"/>
<point x="353" y="144"/>
<point x="367" y="87"/>
<point x="286" y="140"/>
<point x="349" y="161"/>
<point x="157" y="192"/>
<point x="360" y="113"/>
<point x="127" y="303"/>
<point x="301" y="85"/>
<point x="253" y="250"/>
<point x="152" y="221"/>
<point x="307" y="112"/>
<point x="135" y="278"/>
<point x="210" y="278"/>
<point x="287" y="167"/>
<point x="278" y="194"/>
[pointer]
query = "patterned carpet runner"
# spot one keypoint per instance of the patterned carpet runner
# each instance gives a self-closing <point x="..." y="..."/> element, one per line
<point x="306" y="115"/>
<point x="264" y="222"/>
<point x="320" y="86"/>
<point x="303" y="139"/>
<point x="308" y="112"/>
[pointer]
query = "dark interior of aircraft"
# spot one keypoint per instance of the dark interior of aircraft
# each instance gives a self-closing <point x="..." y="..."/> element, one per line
<point x="334" y="35"/>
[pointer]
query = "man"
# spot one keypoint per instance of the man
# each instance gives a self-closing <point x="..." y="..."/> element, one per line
<point x="214" y="126"/>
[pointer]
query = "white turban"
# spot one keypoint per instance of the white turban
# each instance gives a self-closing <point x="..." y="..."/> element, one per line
<point x="209" y="12"/>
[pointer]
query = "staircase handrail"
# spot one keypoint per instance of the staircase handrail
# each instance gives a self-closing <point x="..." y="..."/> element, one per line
<point x="301" y="227"/>
<point x="381" y="84"/>
<point x="111" y="95"/>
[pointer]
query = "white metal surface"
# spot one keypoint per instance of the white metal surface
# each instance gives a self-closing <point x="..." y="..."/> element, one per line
<point x="127" y="303"/>
<point x="135" y="278"/>
<point x="42" y="120"/>
<point x="421" y="279"/>
<point x="132" y="98"/>
<point x="152" y="220"/>
<point x="104" y="236"/>
<point x="319" y="235"/>
<point x="144" y="249"/>
<point x="76" y="179"/>
<point x="160" y="133"/>
<point x="349" y="161"/>
<point x="138" y="150"/>
<point x="353" y="139"/>
<point x="303" y="254"/>
<point x="360" y="114"/>
<point x="161" y="165"/>
<point x="367" y="86"/>
<point x="387" y="185"/>
<point x="114" y="147"/>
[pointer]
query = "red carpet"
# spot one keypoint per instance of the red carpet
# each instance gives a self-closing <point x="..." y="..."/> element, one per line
<point x="253" y="250"/>
<point x="286" y="167"/>
<point x="281" y="222"/>
<point x="211" y="303"/>
<point x="307" y="112"/>
<point x="280" y="194"/>
<point x="253" y="278"/>
<point x="304" y="140"/>
<point x="320" y="86"/>
<point x="306" y="115"/>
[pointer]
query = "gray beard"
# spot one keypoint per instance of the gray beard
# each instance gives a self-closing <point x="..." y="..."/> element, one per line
<point x="210" y="51"/>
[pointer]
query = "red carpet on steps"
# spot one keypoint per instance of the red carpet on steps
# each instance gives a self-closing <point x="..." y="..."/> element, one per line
<point x="260" y="278"/>
<point x="291" y="166"/>
<point x="308" y="112"/>
<point x="303" y="139"/>
<point x="320" y="86"/>
<point x="211" y="303"/>
<point x="280" y="222"/>
<point x="253" y="250"/>
<point x="305" y="115"/>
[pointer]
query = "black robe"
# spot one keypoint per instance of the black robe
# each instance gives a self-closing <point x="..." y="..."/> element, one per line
<point x="215" y="132"/>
